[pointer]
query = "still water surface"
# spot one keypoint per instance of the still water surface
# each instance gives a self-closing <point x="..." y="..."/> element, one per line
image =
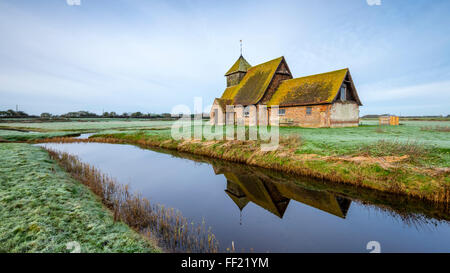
<point x="266" y="211"/>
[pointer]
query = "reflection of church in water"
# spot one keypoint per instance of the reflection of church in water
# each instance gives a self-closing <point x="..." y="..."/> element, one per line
<point x="244" y="186"/>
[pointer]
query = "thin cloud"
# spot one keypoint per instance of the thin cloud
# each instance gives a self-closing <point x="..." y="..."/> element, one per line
<point x="439" y="91"/>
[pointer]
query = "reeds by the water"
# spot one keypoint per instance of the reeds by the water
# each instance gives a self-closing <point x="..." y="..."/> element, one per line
<point x="173" y="231"/>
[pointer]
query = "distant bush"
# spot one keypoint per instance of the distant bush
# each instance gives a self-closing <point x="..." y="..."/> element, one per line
<point x="46" y="115"/>
<point x="80" y="114"/>
<point x="13" y="114"/>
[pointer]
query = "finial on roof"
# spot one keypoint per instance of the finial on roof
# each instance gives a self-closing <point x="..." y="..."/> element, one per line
<point x="241" y="46"/>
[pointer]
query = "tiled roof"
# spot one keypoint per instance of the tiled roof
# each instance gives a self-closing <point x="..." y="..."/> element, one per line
<point x="314" y="89"/>
<point x="240" y="65"/>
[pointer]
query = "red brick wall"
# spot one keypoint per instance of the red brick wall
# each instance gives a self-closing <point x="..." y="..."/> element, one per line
<point x="297" y="116"/>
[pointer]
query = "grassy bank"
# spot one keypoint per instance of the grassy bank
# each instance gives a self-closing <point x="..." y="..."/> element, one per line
<point x="20" y="136"/>
<point x="42" y="209"/>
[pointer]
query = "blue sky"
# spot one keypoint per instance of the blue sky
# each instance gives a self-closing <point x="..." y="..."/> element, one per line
<point x="149" y="56"/>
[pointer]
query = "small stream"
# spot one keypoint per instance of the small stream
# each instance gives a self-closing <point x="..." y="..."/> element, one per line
<point x="266" y="211"/>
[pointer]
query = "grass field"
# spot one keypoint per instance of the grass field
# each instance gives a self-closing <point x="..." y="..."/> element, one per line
<point x="350" y="141"/>
<point x="42" y="209"/>
<point x="369" y="132"/>
<point x="320" y="141"/>
<point x="88" y="125"/>
<point x="12" y="135"/>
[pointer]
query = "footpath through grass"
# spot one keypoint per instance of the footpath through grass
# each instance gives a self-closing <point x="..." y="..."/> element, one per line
<point x="42" y="209"/>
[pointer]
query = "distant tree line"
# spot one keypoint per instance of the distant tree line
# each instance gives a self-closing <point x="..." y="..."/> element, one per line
<point x="135" y="115"/>
<point x="86" y="114"/>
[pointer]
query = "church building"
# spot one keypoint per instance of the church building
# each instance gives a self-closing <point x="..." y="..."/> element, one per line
<point x="323" y="100"/>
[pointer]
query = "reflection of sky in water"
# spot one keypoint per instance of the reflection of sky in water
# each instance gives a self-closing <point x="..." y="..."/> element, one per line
<point x="84" y="136"/>
<point x="312" y="221"/>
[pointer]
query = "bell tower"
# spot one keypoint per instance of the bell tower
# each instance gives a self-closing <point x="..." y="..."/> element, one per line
<point x="235" y="74"/>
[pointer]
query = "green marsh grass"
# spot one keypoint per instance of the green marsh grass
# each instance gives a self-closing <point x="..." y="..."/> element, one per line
<point x="42" y="209"/>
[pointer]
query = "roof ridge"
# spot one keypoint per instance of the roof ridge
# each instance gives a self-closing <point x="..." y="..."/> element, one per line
<point x="319" y="74"/>
<point x="267" y="62"/>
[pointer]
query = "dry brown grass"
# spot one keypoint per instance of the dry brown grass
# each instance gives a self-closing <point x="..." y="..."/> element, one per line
<point x="173" y="231"/>
<point x="414" y="150"/>
<point x="76" y="140"/>
<point x="293" y="141"/>
<point x="436" y="128"/>
<point x="380" y="130"/>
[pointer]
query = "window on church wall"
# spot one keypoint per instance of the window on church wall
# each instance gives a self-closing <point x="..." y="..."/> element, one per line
<point x="281" y="112"/>
<point x="343" y="92"/>
<point x="308" y="110"/>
